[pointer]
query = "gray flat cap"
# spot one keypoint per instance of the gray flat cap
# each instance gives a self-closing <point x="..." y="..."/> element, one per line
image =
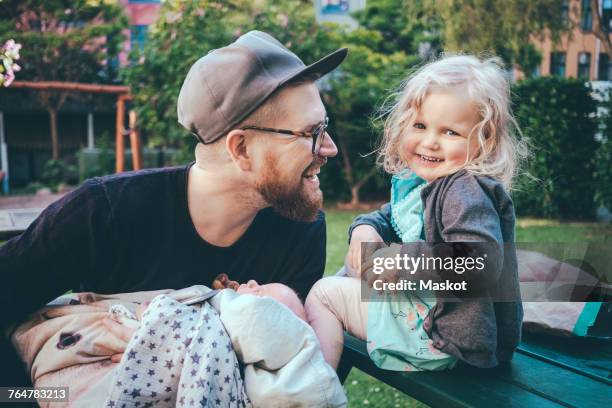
<point x="226" y="85"/>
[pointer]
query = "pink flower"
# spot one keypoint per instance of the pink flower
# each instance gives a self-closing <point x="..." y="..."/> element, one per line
<point x="9" y="45"/>
<point x="14" y="53"/>
<point x="8" y="78"/>
<point x="9" y="52"/>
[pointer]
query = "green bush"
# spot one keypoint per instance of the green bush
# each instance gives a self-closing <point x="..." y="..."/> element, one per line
<point x="94" y="162"/>
<point x="558" y="116"/>
<point x="100" y="161"/>
<point x="603" y="159"/>
<point x="56" y="172"/>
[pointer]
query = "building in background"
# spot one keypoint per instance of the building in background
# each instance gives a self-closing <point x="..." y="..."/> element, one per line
<point x="338" y="11"/>
<point x="580" y="55"/>
<point x="141" y="15"/>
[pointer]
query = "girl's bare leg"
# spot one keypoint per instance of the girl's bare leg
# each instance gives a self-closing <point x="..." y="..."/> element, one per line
<point x="332" y="306"/>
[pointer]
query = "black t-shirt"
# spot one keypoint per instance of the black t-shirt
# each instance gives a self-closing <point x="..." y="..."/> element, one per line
<point x="132" y="232"/>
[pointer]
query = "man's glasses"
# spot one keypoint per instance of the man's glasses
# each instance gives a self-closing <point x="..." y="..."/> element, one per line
<point x="318" y="134"/>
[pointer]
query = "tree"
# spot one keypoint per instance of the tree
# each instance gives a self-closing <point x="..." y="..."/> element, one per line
<point x="63" y="40"/>
<point x="505" y="28"/>
<point x="404" y="25"/>
<point x="366" y="78"/>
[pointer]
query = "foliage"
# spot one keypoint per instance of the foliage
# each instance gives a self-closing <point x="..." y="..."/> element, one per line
<point x="64" y="40"/>
<point x="603" y="159"/>
<point x="504" y="28"/>
<point x="557" y="115"/>
<point x="366" y="78"/>
<point x="403" y="25"/>
<point x="30" y="189"/>
<point x="57" y="172"/>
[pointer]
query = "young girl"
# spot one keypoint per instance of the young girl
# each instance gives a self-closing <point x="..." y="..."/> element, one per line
<point x="449" y="145"/>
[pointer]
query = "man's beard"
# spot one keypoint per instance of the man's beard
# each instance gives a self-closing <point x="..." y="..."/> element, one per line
<point x="290" y="201"/>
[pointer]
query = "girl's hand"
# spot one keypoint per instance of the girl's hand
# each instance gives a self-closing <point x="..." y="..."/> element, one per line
<point x="361" y="233"/>
<point x="388" y="275"/>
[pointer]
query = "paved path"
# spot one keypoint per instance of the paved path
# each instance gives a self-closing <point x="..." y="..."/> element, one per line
<point x="28" y="201"/>
<point x="17" y="212"/>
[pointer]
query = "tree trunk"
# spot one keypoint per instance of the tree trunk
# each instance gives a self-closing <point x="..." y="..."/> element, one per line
<point x="348" y="172"/>
<point x="349" y="175"/>
<point x="54" y="139"/>
<point x="53" y="102"/>
<point x="355" y="196"/>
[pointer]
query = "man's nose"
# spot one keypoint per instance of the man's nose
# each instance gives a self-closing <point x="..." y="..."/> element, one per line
<point x="328" y="147"/>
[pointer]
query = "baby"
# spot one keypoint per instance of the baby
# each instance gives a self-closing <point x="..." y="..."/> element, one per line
<point x="277" y="291"/>
<point x="75" y="340"/>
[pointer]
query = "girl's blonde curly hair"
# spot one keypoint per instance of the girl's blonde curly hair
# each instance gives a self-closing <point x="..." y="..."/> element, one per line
<point x="485" y="83"/>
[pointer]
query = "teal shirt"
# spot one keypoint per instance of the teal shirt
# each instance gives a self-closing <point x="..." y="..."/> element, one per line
<point x="396" y="338"/>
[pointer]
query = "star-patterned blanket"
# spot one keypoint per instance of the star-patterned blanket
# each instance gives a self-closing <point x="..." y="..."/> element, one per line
<point x="66" y="344"/>
<point x="180" y="356"/>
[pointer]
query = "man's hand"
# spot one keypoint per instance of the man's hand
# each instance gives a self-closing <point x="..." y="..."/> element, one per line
<point x="361" y="233"/>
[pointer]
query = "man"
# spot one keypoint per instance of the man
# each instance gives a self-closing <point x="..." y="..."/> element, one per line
<point x="248" y="207"/>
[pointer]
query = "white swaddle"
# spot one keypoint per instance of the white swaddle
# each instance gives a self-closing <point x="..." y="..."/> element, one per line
<point x="284" y="365"/>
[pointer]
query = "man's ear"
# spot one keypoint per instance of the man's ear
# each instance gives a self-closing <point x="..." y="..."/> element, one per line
<point x="236" y="146"/>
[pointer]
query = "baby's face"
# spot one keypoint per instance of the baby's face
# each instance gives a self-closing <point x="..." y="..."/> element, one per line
<point x="437" y="141"/>
<point x="277" y="291"/>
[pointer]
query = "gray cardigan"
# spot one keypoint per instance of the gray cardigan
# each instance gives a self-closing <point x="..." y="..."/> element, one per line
<point x="463" y="207"/>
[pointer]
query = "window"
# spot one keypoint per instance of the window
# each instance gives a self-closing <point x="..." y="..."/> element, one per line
<point x="604" y="70"/>
<point x="565" y="11"/>
<point x="557" y="64"/>
<point x="586" y="22"/>
<point x="334" y="6"/>
<point x="584" y="65"/>
<point x="138" y="36"/>
<point x="606" y="15"/>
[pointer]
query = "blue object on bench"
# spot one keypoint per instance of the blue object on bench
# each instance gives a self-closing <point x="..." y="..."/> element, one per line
<point x="546" y="371"/>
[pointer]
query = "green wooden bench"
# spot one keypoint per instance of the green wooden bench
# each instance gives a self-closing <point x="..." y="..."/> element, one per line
<point x="546" y="371"/>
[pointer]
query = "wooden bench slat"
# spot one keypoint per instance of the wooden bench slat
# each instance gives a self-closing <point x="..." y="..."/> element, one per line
<point x="447" y="388"/>
<point x="526" y="381"/>
<point x="591" y="357"/>
<point x="557" y="383"/>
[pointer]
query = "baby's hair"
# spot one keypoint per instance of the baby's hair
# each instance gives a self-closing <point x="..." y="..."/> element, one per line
<point x="485" y="83"/>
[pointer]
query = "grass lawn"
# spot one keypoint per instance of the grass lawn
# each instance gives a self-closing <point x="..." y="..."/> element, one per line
<point x="363" y="390"/>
